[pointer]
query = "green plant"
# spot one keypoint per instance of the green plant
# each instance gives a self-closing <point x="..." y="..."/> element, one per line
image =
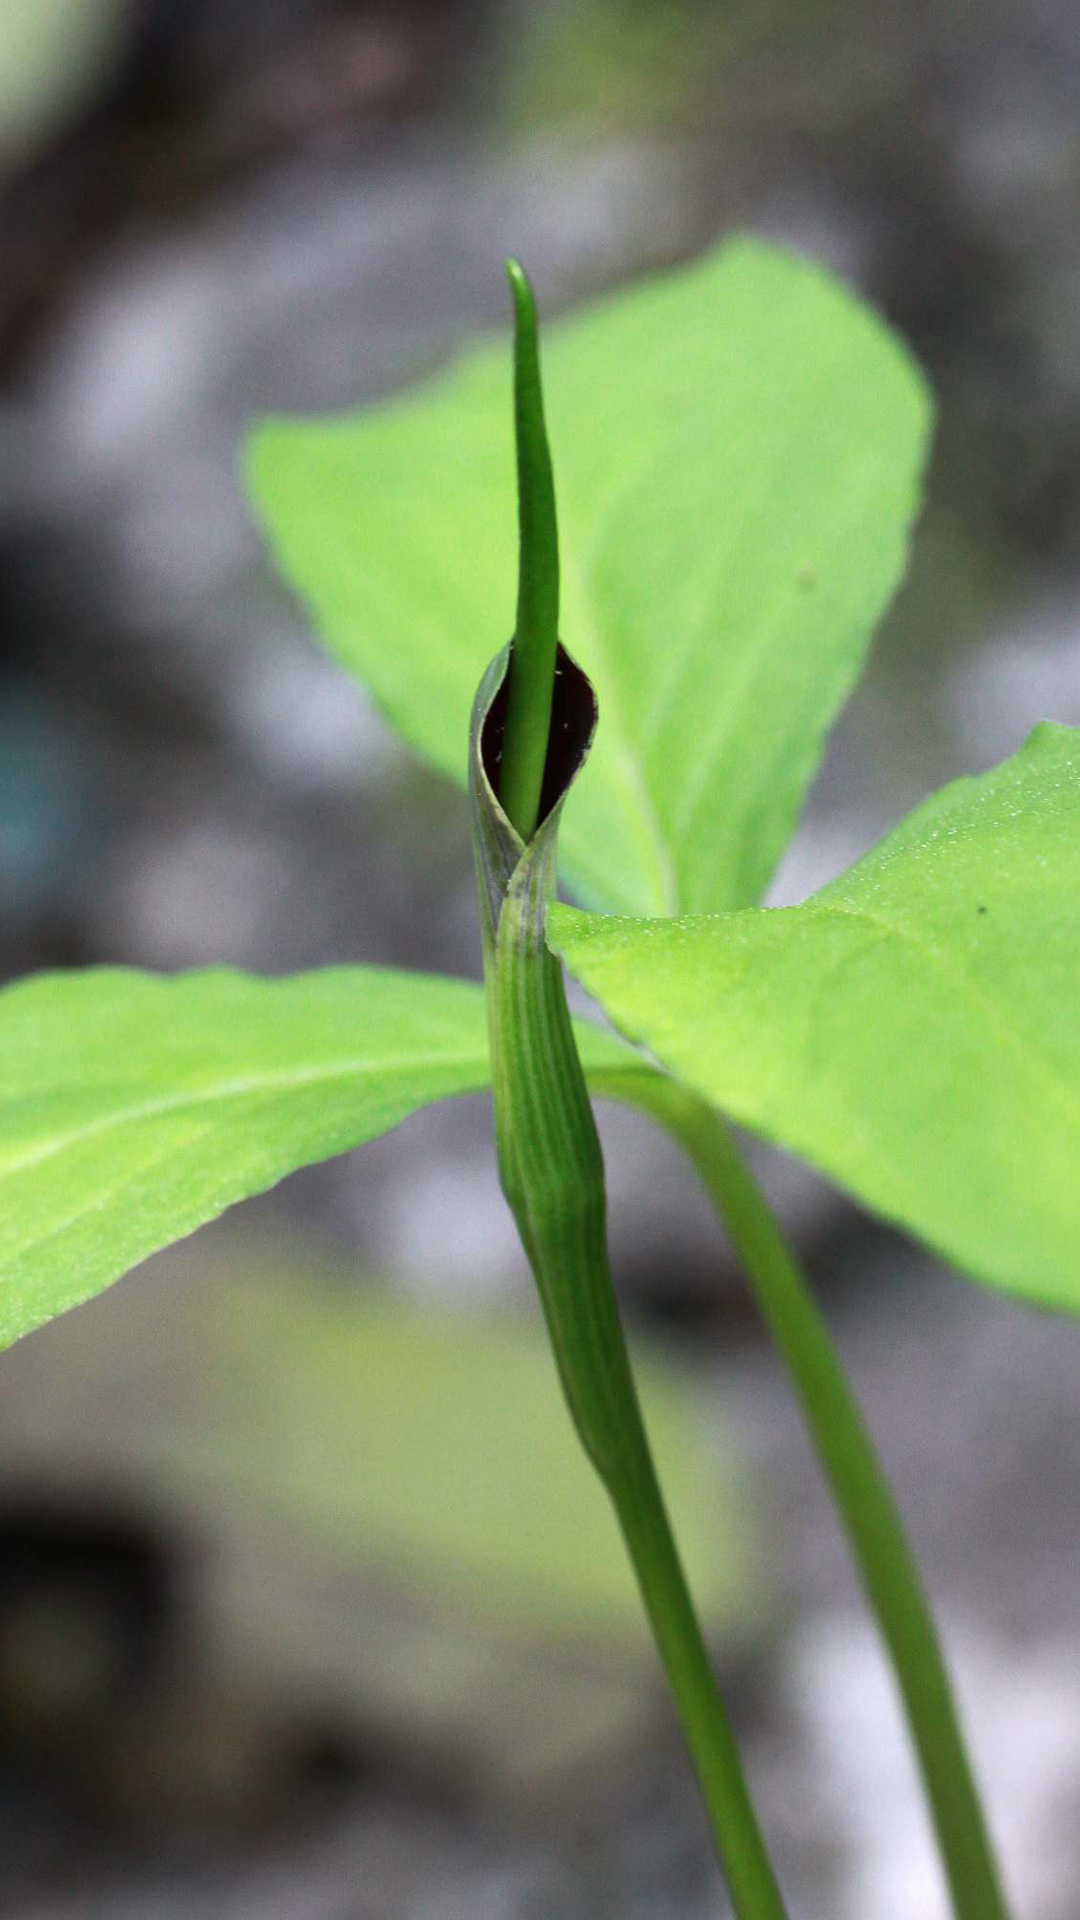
<point x="739" y="451"/>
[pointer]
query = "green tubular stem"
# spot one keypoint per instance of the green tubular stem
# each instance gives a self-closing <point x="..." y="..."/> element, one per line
<point x="552" y="1174"/>
<point x="865" y="1501"/>
<point x="532" y="660"/>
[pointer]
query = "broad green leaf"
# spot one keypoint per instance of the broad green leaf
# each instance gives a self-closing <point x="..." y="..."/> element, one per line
<point x="133" y="1108"/>
<point x="913" y="1029"/>
<point x="737" y="450"/>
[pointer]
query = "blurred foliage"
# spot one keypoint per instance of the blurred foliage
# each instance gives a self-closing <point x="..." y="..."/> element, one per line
<point x="376" y="1521"/>
<point x="54" y="55"/>
<point x="605" y="61"/>
<point x="615" y="64"/>
<point x="435" y="1444"/>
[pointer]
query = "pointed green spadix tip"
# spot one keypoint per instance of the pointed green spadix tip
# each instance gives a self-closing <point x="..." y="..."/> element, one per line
<point x="532" y="666"/>
<point x="521" y="292"/>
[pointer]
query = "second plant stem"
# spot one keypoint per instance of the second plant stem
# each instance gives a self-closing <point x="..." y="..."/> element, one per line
<point x="858" y="1485"/>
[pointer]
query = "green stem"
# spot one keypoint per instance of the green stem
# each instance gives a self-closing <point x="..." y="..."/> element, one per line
<point x="552" y="1174"/>
<point x="532" y="658"/>
<point x="755" y="1894"/>
<point x="859" y="1487"/>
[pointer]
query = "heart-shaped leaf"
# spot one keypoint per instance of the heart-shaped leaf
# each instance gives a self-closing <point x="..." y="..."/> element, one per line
<point x="913" y="1029"/>
<point x="737" y="450"/>
<point x="133" y="1108"/>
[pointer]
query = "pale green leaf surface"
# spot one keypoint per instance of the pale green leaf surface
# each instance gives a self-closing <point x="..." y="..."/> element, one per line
<point x="737" y="451"/>
<point x="134" y="1108"/>
<point x="913" y="1029"/>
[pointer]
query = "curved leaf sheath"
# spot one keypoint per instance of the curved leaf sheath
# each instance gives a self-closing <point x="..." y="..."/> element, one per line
<point x="550" y="1164"/>
<point x="913" y="1029"/>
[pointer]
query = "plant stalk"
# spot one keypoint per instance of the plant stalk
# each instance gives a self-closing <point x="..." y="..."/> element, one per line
<point x="862" y="1494"/>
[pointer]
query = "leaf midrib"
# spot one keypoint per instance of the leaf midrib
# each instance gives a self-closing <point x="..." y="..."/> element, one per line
<point x="230" y="1090"/>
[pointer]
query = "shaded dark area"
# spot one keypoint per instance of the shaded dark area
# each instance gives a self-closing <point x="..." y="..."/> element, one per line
<point x="202" y="94"/>
<point x="573" y="719"/>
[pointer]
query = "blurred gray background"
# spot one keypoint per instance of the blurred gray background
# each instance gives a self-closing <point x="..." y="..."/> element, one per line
<point x="213" y="1701"/>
